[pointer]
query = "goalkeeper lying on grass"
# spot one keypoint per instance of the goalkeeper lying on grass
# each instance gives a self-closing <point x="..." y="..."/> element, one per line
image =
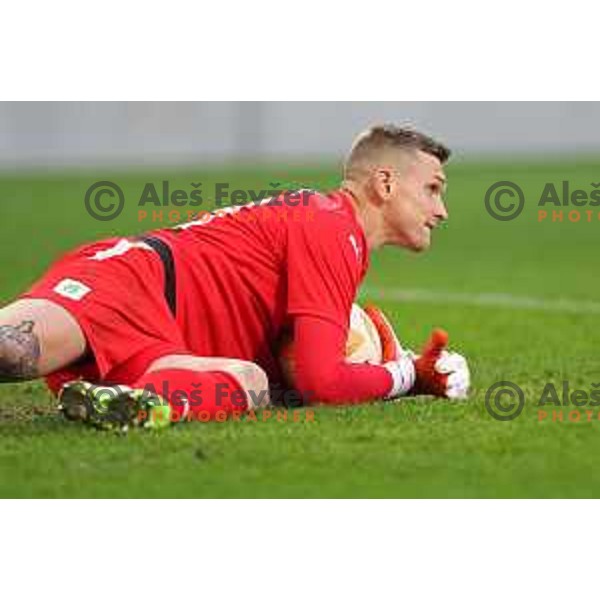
<point x="158" y="312"/>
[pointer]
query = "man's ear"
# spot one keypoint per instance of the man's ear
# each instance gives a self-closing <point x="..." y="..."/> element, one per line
<point x="382" y="183"/>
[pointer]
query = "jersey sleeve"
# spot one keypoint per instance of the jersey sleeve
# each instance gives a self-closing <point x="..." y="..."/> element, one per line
<point x="324" y="267"/>
<point x="322" y="373"/>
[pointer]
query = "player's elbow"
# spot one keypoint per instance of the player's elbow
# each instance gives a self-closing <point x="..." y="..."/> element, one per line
<point x="318" y="387"/>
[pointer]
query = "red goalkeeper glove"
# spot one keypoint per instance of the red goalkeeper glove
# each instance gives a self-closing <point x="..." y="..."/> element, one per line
<point x="437" y="371"/>
<point x="390" y="344"/>
<point x="398" y="361"/>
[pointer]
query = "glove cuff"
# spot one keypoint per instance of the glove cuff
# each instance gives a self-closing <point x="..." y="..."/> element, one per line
<point x="403" y="376"/>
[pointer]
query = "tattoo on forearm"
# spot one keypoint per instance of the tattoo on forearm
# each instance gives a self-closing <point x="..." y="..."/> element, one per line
<point x="19" y="352"/>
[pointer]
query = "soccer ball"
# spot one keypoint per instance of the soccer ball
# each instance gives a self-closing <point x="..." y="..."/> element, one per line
<point x="362" y="346"/>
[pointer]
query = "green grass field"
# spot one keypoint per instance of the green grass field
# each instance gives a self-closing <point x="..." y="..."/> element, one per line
<point x="416" y="448"/>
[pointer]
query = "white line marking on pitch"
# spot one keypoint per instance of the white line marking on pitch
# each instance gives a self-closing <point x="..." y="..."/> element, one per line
<point x="564" y="305"/>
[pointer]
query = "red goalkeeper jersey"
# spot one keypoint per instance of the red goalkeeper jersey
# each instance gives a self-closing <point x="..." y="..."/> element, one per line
<point x="243" y="276"/>
<point x="243" y="273"/>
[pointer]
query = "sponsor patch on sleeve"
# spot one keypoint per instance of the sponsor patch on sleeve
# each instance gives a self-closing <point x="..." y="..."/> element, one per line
<point x="72" y="289"/>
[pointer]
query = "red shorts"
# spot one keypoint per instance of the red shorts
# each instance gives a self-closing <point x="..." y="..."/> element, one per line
<point x="115" y="291"/>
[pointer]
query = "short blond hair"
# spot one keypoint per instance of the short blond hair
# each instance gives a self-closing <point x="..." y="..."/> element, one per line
<point x="379" y="140"/>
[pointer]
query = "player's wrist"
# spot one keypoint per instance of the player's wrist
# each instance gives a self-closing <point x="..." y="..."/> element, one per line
<point x="403" y="376"/>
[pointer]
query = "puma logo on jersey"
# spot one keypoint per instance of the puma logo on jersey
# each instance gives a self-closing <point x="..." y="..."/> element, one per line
<point x="355" y="246"/>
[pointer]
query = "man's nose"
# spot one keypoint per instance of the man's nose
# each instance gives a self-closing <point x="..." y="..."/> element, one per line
<point x="441" y="211"/>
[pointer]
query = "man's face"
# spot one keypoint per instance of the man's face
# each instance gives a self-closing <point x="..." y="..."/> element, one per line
<point x="413" y="204"/>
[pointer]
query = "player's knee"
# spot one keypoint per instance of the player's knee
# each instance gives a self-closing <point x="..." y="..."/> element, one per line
<point x="19" y="352"/>
<point x="253" y="380"/>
